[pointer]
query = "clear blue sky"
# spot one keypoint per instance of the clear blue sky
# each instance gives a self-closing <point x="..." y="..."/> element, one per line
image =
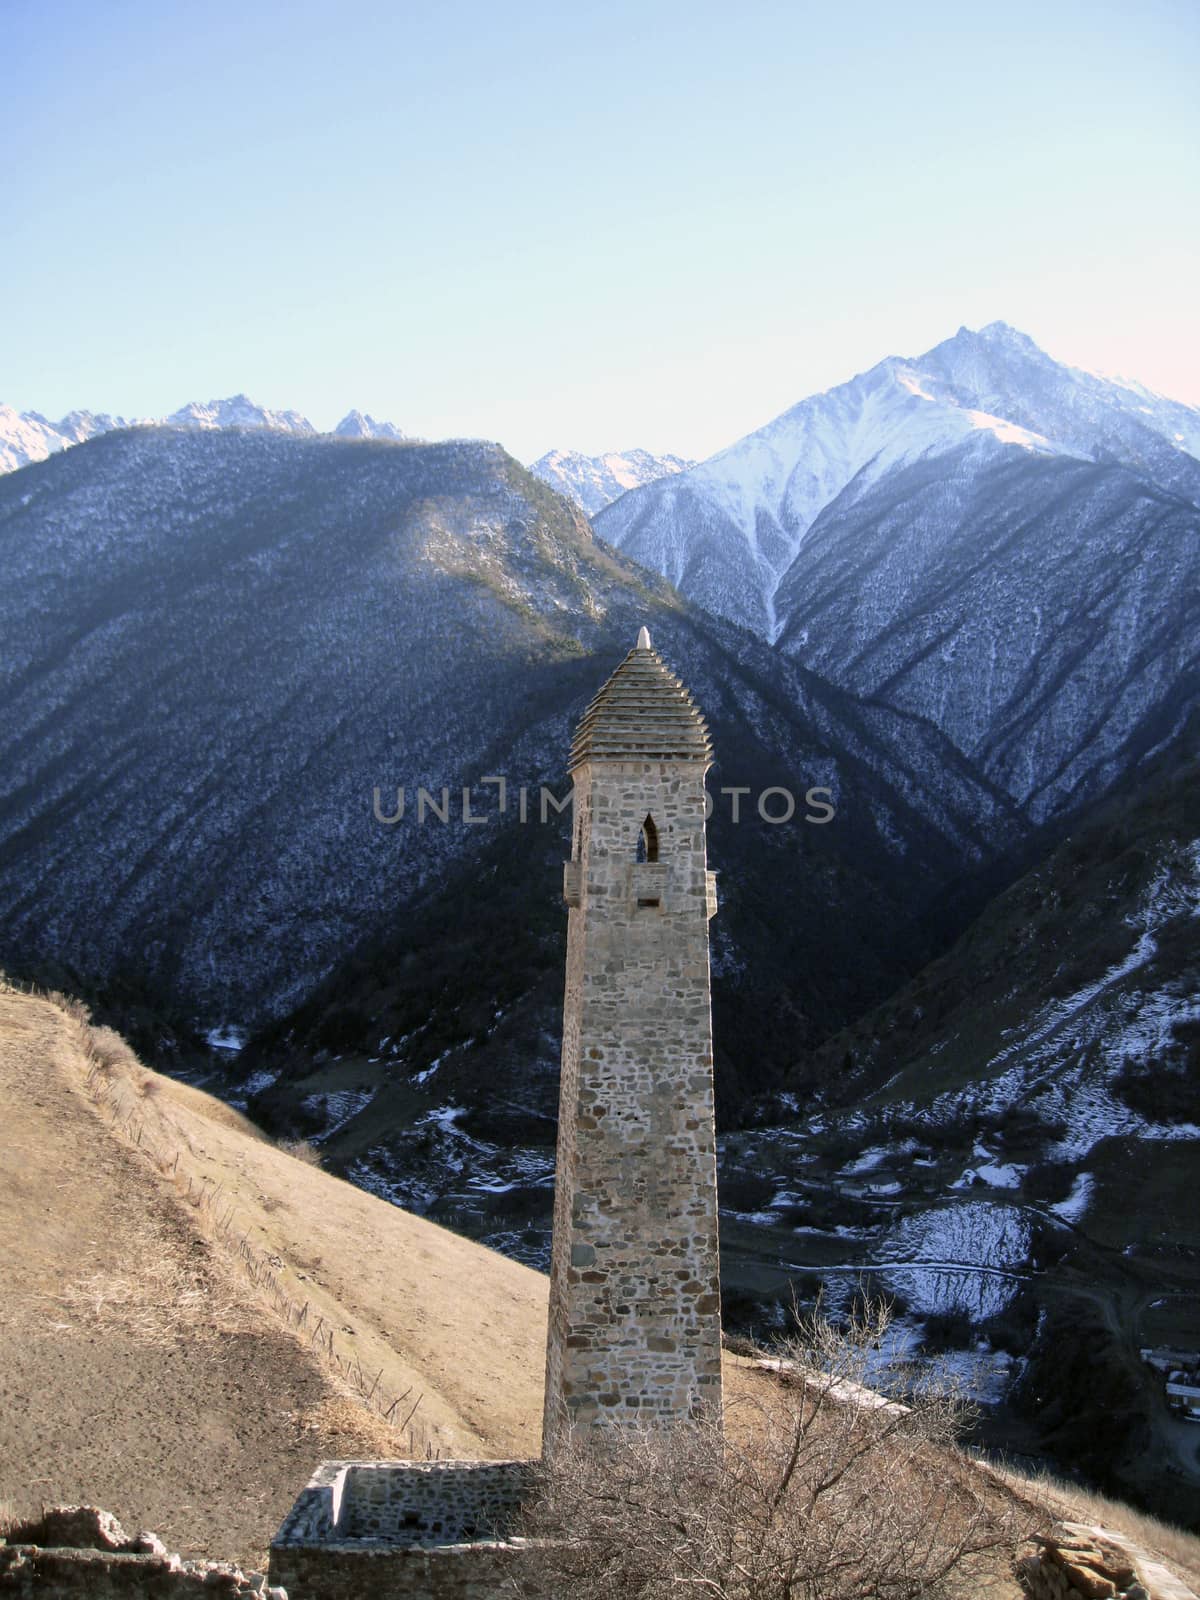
<point x="589" y="226"/>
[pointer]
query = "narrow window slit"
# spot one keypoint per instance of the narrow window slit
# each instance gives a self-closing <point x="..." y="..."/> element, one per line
<point x="647" y="844"/>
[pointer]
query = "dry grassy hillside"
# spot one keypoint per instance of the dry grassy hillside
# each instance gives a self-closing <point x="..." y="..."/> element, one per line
<point x="192" y="1318"/>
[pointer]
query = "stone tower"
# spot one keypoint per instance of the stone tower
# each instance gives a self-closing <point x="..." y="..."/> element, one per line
<point x="635" y="1321"/>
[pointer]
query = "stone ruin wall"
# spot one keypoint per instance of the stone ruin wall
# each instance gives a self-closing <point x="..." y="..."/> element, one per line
<point x="1080" y="1562"/>
<point x="82" y="1551"/>
<point x="29" y="1572"/>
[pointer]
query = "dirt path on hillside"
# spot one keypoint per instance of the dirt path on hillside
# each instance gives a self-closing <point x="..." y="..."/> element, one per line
<point x="137" y="1371"/>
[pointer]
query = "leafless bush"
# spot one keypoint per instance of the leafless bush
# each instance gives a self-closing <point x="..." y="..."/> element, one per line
<point x="815" y="1488"/>
<point x="739" y="1345"/>
<point x="70" y="1006"/>
<point x="109" y="1050"/>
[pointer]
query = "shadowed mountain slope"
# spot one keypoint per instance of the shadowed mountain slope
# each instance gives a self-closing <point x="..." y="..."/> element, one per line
<point x="1036" y="610"/>
<point x="1011" y="1145"/>
<point x="219" y="644"/>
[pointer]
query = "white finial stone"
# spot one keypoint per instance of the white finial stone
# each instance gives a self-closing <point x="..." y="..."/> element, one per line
<point x="644" y="639"/>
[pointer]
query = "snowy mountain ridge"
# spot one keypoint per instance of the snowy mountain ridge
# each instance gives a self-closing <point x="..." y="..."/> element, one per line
<point x="238" y="412"/>
<point x="594" y="482"/>
<point x="357" y="425"/>
<point x="264" y="571"/>
<point x="727" y="531"/>
<point x="27" y="436"/>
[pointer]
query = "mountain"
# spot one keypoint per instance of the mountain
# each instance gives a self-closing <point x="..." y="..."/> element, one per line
<point x="594" y="482"/>
<point x="27" y="436"/>
<point x="354" y="425"/>
<point x="1010" y="1146"/>
<point x="226" y="649"/>
<point x="982" y="537"/>
<point x="728" y="531"/>
<point x="1037" y="611"/>
<point x="238" y="412"/>
<point x="219" y="644"/>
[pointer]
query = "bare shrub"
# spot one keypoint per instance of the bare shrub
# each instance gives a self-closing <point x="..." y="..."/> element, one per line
<point x="739" y="1344"/>
<point x="75" y="1009"/>
<point x="109" y="1050"/>
<point x="301" y="1150"/>
<point x="815" y="1488"/>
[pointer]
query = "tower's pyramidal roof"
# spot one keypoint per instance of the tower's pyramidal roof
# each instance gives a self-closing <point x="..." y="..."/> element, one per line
<point x="642" y="712"/>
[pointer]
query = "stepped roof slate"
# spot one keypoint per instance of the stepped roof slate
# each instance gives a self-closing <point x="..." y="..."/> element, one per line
<point x="643" y="712"/>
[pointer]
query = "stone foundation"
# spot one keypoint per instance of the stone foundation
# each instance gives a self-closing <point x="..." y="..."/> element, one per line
<point x="402" y="1530"/>
<point x="396" y="1572"/>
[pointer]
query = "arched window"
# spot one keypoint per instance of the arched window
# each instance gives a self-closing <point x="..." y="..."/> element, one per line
<point x="647" y="845"/>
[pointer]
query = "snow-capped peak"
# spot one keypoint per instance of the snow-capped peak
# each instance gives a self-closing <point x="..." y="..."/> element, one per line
<point x="28" y="436"/>
<point x="594" y="482"/>
<point x="358" y="425"/>
<point x="994" y="388"/>
<point x="238" y="412"/>
<point x="1001" y="333"/>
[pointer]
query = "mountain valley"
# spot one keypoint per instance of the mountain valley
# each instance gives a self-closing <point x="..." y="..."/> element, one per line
<point x="952" y="602"/>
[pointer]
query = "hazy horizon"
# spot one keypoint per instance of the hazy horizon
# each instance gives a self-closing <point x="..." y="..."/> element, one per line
<point x="585" y="230"/>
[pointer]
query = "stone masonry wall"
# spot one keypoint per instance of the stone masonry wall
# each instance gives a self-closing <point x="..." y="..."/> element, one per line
<point x="405" y="1502"/>
<point x="398" y="1572"/>
<point x="635" y="1298"/>
<point x="403" y="1528"/>
<point x="440" y="1502"/>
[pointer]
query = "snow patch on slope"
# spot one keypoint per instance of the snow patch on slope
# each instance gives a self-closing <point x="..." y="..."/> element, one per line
<point x="1072" y="1209"/>
<point x="968" y="1257"/>
<point x="1063" y="1059"/>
